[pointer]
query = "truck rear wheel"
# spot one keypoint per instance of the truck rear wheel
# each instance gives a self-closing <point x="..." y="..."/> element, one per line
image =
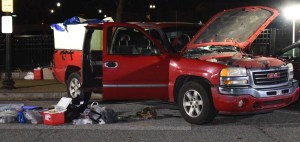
<point x="73" y="89"/>
<point x="195" y="104"/>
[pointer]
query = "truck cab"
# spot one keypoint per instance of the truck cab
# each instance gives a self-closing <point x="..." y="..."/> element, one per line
<point x="135" y="61"/>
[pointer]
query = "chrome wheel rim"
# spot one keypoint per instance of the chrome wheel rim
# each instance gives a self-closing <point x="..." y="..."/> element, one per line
<point x="74" y="87"/>
<point x="192" y="103"/>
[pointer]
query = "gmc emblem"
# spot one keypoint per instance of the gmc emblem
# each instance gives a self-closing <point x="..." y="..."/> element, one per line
<point x="273" y="75"/>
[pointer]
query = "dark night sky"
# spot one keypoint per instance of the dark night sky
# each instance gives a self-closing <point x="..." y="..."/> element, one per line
<point x="36" y="12"/>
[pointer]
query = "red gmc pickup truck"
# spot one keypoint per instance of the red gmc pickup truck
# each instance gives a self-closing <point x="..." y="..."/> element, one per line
<point x="204" y="72"/>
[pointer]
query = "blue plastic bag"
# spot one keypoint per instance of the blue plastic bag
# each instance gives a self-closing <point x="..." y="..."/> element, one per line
<point x="78" y="20"/>
<point x="57" y="27"/>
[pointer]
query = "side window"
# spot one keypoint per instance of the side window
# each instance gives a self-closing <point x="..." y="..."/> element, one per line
<point x="96" y="40"/>
<point x="129" y="41"/>
<point x="292" y="54"/>
<point x="96" y="45"/>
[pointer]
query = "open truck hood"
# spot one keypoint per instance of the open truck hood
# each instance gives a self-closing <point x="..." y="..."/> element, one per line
<point x="235" y="27"/>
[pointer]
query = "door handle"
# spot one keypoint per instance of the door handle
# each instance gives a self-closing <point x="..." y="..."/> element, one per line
<point x="110" y="64"/>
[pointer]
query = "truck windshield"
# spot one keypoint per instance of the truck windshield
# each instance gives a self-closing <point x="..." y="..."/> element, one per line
<point x="179" y="36"/>
<point x="174" y="37"/>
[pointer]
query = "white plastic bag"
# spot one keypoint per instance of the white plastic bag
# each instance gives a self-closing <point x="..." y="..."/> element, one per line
<point x="29" y="76"/>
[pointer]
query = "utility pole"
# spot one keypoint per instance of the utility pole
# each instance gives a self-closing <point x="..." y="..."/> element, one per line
<point x="7" y="7"/>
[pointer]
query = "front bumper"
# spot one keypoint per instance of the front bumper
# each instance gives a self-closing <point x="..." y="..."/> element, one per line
<point x="249" y="100"/>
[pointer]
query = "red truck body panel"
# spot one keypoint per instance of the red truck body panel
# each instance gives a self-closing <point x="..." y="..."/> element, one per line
<point x="63" y="60"/>
<point x="230" y="104"/>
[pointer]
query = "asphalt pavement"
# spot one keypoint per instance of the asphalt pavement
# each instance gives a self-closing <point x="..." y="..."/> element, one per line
<point x="281" y="125"/>
<point x="277" y="126"/>
<point x="35" y="90"/>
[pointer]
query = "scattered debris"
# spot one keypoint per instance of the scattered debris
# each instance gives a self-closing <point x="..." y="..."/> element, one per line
<point x="82" y="121"/>
<point x="147" y="113"/>
<point x="9" y="112"/>
<point x="74" y="112"/>
<point x="64" y="111"/>
<point x="102" y="115"/>
<point x="34" y="116"/>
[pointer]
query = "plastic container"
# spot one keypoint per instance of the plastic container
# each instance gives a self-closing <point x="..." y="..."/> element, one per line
<point x="53" y="118"/>
<point x="38" y="74"/>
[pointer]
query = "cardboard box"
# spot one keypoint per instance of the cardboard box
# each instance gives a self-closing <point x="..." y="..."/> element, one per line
<point x="47" y="74"/>
<point x="53" y="118"/>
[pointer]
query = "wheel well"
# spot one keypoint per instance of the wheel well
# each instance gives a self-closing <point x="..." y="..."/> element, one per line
<point x="71" y="69"/>
<point x="183" y="79"/>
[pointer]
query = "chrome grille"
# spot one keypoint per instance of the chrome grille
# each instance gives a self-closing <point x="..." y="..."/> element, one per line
<point x="272" y="77"/>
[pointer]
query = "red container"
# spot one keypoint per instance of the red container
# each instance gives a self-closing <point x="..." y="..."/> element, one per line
<point x="38" y="74"/>
<point x="51" y="118"/>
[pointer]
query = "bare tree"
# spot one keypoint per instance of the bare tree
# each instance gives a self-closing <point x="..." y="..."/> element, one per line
<point x="119" y="12"/>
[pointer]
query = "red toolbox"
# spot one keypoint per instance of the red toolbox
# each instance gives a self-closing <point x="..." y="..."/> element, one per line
<point x="53" y="118"/>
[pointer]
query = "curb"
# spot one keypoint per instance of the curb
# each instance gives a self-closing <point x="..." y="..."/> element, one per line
<point x="39" y="96"/>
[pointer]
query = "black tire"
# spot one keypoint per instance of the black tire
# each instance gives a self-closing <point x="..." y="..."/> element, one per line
<point x="198" y="107"/>
<point x="73" y="89"/>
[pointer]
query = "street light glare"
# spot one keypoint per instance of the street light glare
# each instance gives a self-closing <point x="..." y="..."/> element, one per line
<point x="100" y="11"/>
<point x="58" y="4"/>
<point x="292" y="12"/>
<point x="152" y="6"/>
<point x="52" y="11"/>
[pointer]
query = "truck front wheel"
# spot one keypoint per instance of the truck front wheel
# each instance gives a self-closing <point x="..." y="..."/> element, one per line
<point x="73" y="89"/>
<point x="195" y="104"/>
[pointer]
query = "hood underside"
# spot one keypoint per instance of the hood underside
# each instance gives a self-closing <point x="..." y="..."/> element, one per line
<point x="236" y="27"/>
<point x="243" y="60"/>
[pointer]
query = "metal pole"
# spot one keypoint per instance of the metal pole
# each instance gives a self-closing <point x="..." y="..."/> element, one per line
<point x="8" y="83"/>
<point x="294" y="21"/>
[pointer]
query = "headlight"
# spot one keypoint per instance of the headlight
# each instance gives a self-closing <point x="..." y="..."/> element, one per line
<point x="234" y="76"/>
<point x="233" y="71"/>
<point x="291" y="71"/>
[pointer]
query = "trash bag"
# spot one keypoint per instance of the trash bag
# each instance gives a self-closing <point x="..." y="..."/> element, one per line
<point x="29" y="76"/>
<point x="74" y="112"/>
<point x="102" y="115"/>
<point x="9" y="112"/>
<point x="110" y="116"/>
<point x="33" y="116"/>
